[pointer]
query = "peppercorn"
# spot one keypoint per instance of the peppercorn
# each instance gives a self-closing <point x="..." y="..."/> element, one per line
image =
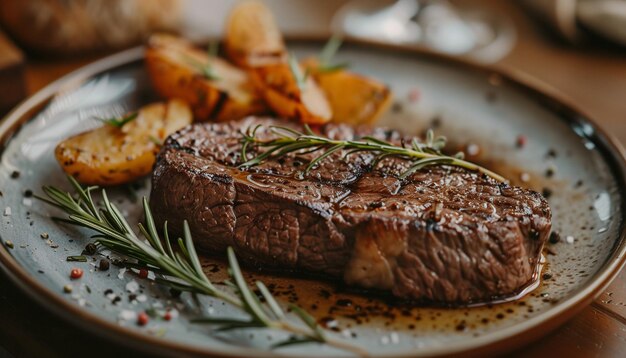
<point x="167" y="316"/>
<point x="76" y="273"/>
<point x="103" y="265"/>
<point x="91" y="248"/>
<point x="143" y="319"/>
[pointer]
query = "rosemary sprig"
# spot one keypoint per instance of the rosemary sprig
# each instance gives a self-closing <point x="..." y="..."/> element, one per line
<point x="119" y="122"/>
<point x="181" y="268"/>
<point x="206" y="69"/>
<point x="327" y="54"/>
<point x="296" y="71"/>
<point x="288" y="140"/>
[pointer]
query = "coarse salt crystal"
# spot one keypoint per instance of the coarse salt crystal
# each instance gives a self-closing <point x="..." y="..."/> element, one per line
<point x="120" y="275"/>
<point x="395" y="339"/>
<point x="7" y="211"/>
<point x="142" y="298"/>
<point x="132" y="286"/>
<point x="27" y="201"/>
<point x="128" y="315"/>
<point x="569" y="239"/>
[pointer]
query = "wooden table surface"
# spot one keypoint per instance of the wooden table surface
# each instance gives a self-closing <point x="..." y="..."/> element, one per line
<point x="595" y="79"/>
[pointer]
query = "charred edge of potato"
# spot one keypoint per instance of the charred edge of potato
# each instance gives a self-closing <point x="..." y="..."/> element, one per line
<point x="279" y="88"/>
<point x="355" y="99"/>
<point x="173" y="68"/>
<point x="252" y="37"/>
<point x="110" y="155"/>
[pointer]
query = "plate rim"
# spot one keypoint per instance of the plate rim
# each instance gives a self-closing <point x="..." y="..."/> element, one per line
<point x="503" y="340"/>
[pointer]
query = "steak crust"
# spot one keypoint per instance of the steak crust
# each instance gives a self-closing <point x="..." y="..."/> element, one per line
<point x="444" y="234"/>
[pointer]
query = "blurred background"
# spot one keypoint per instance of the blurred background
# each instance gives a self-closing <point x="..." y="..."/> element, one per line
<point x="574" y="47"/>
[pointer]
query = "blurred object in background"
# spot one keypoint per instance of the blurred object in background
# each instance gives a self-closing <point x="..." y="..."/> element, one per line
<point x="12" y="87"/>
<point x="68" y="27"/>
<point x="576" y="19"/>
<point x="460" y="29"/>
<point x="464" y="29"/>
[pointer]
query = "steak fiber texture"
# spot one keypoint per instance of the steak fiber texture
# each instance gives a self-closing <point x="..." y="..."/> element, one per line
<point x="444" y="235"/>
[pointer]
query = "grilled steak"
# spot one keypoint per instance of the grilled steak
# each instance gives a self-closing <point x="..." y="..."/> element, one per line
<point x="444" y="234"/>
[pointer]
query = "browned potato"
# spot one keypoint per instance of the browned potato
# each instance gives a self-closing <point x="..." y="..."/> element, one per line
<point x="354" y="99"/>
<point x="214" y="89"/>
<point x="252" y="37"/>
<point x="111" y="155"/>
<point x="253" y="41"/>
<point x="277" y="84"/>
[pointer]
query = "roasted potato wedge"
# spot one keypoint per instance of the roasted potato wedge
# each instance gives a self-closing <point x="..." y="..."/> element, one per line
<point x="253" y="41"/>
<point x="277" y="84"/>
<point x="353" y="98"/>
<point x="252" y="37"/>
<point x="214" y="89"/>
<point x="117" y="154"/>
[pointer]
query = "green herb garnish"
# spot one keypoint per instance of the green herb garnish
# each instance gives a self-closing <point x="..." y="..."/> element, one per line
<point x="213" y="49"/>
<point x="328" y="53"/>
<point x="180" y="268"/>
<point x="300" y="78"/>
<point x="119" y="122"/>
<point x="206" y="69"/>
<point x="76" y="259"/>
<point x="156" y="140"/>
<point x="421" y="154"/>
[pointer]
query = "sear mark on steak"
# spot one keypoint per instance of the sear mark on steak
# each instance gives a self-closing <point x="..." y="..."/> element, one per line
<point x="444" y="235"/>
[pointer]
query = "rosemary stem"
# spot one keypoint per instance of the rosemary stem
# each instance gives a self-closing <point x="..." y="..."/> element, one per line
<point x="182" y="269"/>
<point x="408" y="153"/>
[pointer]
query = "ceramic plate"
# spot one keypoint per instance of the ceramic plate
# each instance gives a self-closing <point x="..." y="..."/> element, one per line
<point x="524" y="133"/>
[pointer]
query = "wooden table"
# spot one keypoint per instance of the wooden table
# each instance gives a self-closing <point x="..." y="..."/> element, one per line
<point x="594" y="79"/>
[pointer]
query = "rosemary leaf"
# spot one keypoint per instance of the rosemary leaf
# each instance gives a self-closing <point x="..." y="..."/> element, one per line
<point x="76" y="259"/>
<point x="328" y="52"/>
<point x="296" y="71"/>
<point x="181" y="269"/>
<point x="287" y="140"/>
<point x="119" y="122"/>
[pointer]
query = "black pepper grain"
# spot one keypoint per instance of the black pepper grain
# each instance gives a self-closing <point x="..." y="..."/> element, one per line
<point x="90" y="248"/>
<point x="555" y="237"/>
<point x="15" y="174"/>
<point x="546" y="276"/>
<point x="175" y="293"/>
<point x="547" y="193"/>
<point x="103" y="265"/>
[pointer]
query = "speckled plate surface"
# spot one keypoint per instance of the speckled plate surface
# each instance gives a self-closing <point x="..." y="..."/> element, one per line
<point x="548" y="146"/>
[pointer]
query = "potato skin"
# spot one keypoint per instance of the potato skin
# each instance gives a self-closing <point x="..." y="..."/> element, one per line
<point x="354" y="99"/>
<point x="277" y="85"/>
<point x="109" y="155"/>
<point x="172" y="67"/>
<point x="253" y="41"/>
<point x="252" y="37"/>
